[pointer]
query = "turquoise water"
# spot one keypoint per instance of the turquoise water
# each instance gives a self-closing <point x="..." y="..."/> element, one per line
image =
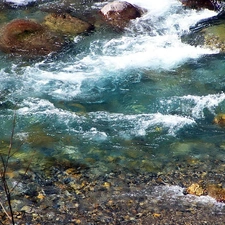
<point x="138" y="99"/>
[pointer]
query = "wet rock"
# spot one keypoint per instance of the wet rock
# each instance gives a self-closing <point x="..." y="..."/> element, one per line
<point x="217" y="192"/>
<point x="211" y="37"/>
<point x="66" y="24"/>
<point x="195" y="189"/>
<point x="26" y="37"/>
<point x="208" y="33"/>
<point x="220" y="120"/>
<point x="201" y="4"/>
<point x="28" y="209"/>
<point x="119" y="13"/>
<point x="213" y="190"/>
<point x="214" y="37"/>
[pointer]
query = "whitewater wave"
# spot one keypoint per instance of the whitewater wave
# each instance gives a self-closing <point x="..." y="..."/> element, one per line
<point x="118" y="124"/>
<point x="150" y="42"/>
<point x="192" y="105"/>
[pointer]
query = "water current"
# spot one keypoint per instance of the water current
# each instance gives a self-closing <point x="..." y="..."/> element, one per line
<point x="137" y="99"/>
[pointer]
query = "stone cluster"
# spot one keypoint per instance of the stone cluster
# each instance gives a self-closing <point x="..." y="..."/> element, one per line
<point x="30" y="38"/>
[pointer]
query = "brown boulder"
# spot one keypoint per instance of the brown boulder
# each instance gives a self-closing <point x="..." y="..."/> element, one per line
<point x="119" y="13"/>
<point x="200" y="4"/>
<point x="26" y="37"/>
<point x="66" y="24"/>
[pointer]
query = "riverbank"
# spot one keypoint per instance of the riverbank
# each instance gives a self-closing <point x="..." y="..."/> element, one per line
<point x="69" y="194"/>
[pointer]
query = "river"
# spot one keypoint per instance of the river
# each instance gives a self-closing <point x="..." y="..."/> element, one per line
<point x="138" y="100"/>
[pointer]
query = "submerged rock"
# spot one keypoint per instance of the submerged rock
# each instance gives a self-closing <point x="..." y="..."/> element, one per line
<point x="26" y="37"/>
<point x="119" y="13"/>
<point x="66" y="24"/>
<point x="219" y="119"/>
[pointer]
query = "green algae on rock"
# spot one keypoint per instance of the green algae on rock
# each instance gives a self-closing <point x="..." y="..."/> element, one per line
<point x="66" y="24"/>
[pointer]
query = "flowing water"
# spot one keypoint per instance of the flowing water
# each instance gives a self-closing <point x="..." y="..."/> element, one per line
<point x="138" y="100"/>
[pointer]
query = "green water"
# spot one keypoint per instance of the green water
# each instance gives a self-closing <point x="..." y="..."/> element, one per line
<point x="136" y="100"/>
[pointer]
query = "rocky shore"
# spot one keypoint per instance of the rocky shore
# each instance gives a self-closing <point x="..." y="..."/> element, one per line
<point x="74" y="194"/>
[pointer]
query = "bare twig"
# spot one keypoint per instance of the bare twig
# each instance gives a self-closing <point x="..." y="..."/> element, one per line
<point x="3" y="208"/>
<point x="5" y="164"/>
<point x="27" y="168"/>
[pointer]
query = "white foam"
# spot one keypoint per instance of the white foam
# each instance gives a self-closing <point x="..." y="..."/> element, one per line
<point x="164" y="48"/>
<point x="154" y="52"/>
<point x="194" y="106"/>
<point x="94" y="135"/>
<point x="202" y="102"/>
<point x="126" y="126"/>
<point x="175" y="193"/>
<point x="20" y="2"/>
<point x="36" y="107"/>
<point x="156" y="7"/>
<point x="157" y="49"/>
<point x="141" y="124"/>
<point x="152" y="42"/>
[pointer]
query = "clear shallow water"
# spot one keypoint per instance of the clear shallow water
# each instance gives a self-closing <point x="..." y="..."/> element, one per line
<point x="139" y="99"/>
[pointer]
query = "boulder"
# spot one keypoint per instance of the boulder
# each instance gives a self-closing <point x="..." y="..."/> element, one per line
<point x="119" y="13"/>
<point x="26" y="37"/>
<point x="211" y="37"/>
<point x="208" y="33"/>
<point x="201" y="4"/>
<point x="66" y="24"/>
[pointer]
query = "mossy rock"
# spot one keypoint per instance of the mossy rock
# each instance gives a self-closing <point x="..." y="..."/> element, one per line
<point x="214" y="37"/>
<point x="66" y="24"/>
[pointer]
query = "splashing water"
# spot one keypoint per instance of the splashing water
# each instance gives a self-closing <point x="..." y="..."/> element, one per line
<point x="111" y="89"/>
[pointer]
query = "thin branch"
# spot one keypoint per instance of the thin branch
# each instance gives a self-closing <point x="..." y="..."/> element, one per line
<point x="27" y="168"/>
<point x="5" y="164"/>
<point x="5" y="211"/>
<point x="11" y="138"/>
